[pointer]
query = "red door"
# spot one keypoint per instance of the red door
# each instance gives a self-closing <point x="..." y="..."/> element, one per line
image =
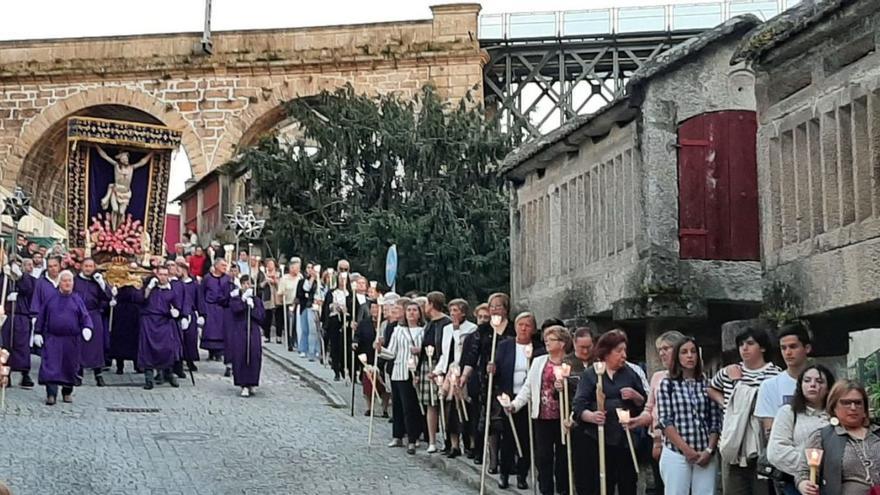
<point x="718" y="187"/>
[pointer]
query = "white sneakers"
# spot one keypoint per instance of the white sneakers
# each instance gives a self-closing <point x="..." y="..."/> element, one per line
<point x="432" y="448"/>
<point x="245" y="392"/>
<point x="302" y="354"/>
<point x="396" y="443"/>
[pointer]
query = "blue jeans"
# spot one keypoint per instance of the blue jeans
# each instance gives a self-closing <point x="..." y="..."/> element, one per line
<point x="308" y="334"/>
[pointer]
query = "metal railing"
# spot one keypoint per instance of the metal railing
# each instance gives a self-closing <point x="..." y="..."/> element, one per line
<point x="702" y="15"/>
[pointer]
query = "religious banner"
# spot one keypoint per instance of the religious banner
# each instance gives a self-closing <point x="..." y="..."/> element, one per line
<point x="117" y="187"/>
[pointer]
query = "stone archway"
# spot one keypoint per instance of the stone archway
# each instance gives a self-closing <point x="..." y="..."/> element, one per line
<point x="38" y="155"/>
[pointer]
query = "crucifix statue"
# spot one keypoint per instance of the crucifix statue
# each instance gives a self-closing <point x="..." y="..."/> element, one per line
<point x="119" y="191"/>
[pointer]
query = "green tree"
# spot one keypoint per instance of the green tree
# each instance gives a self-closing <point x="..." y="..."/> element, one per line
<point x="368" y="172"/>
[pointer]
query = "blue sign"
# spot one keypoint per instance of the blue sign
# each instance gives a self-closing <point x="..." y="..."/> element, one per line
<point x="391" y="266"/>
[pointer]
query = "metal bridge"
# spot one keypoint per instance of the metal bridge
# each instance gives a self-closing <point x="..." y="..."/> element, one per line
<point x="547" y="67"/>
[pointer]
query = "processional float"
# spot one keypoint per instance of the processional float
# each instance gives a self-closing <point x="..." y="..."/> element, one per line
<point x="117" y="190"/>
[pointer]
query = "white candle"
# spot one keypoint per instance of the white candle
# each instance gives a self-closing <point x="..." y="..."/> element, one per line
<point x="363" y="358"/>
<point x="623" y="415"/>
<point x="429" y="350"/>
<point x="599" y="367"/>
<point x="504" y="399"/>
<point x="566" y="370"/>
<point x="496" y="320"/>
<point x="557" y="372"/>
<point x="528" y="350"/>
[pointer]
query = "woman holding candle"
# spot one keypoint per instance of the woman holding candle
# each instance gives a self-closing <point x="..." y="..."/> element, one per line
<point x="405" y="346"/>
<point x="511" y="371"/>
<point x="796" y="421"/>
<point x="691" y="424"/>
<point x="448" y="366"/>
<point x="541" y="388"/>
<point x="618" y="380"/>
<point x="847" y="461"/>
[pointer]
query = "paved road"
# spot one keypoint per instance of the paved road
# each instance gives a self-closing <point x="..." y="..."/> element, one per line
<point x="203" y="440"/>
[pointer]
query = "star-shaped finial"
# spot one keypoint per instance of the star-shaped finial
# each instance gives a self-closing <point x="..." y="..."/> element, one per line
<point x="243" y="224"/>
<point x="18" y="205"/>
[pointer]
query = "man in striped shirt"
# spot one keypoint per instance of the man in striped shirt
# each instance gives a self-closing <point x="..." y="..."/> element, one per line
<point x="754" y="348"/>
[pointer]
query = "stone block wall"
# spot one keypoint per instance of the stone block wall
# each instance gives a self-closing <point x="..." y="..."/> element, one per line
<point x="819" y="161"/>
<point x="575" y="227"/>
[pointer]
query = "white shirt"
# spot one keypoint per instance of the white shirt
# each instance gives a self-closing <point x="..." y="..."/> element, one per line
<point x="774" y="393"/>
<point x="520" y="368"/>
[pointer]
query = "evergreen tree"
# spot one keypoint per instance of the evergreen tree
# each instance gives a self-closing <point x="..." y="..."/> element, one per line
<point x="369" y="172"/>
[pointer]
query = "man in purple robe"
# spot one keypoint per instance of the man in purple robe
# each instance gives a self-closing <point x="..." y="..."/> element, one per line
<point x="215" y="289"/>
<point x="16" y="333"/>
<point x="177" y="287"/>
<point x="96" y="295"/>
<point x="159" y="345"/>
<point x="246" y="312"/>
<point x="126" y="327"/>
<point x="62" y="325"/>
<point x="46" y="286"/>
<point x="189" y="315"/>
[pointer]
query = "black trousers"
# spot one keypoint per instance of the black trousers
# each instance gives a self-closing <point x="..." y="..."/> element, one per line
<point x="266" y="324"/>
<point x="408" y="412"/>
<point x="619" y="471"/>
<point x="510" y="462"/>
<point x="580" y="459"/>
<point x="333" y="335"/>
<point x="550" y="457"/>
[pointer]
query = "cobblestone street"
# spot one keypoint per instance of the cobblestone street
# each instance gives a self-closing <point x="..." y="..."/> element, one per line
<point x="203" y="440"/>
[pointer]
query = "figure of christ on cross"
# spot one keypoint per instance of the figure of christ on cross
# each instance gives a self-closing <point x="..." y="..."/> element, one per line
<point x="119" y="191"/>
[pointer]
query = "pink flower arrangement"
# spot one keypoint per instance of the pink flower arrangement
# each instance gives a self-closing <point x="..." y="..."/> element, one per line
<point x="125" y="240"/>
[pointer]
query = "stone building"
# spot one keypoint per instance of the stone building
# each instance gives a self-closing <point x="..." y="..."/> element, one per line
<point x="645" y="214"/>
<point x="818" y="102"/>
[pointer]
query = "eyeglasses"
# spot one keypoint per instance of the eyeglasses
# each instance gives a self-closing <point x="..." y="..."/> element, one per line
<point x="496" y="306"/>
<point x="857" y="403"/>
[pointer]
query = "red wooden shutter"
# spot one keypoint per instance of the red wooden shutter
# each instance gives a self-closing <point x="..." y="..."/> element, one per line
<point x="718" y="187"/>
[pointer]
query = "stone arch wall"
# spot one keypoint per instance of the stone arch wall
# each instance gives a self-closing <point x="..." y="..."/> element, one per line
<point x="37" y="128"/>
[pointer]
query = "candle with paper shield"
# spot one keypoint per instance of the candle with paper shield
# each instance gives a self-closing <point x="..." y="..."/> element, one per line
<point x="529" y="351"/>
<point x="557" y="373"/>
<point x="566" y="372"/>
<point x="429" y="351"/>
<point x="504" y="399"/>
<point x="4" y="376"/>
<point x="623" y="417"/>
<point x="495" y="321"/>
<point x="814" y="460"/>
<point x="599" y="368"/>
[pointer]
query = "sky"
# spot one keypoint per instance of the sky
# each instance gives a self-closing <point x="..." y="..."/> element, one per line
<point x="28" y="20"/>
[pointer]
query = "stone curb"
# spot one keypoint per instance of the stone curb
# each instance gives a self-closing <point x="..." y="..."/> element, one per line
<point x="461" y="469"/>
<point x="314" y="382"/>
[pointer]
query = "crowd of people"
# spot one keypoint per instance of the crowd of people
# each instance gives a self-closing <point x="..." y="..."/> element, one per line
<point x="562" y="406"/>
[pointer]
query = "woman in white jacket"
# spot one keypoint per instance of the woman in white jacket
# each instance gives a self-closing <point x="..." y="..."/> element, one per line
<point x="448" y="367"/>
<point x="541" y="389"/>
